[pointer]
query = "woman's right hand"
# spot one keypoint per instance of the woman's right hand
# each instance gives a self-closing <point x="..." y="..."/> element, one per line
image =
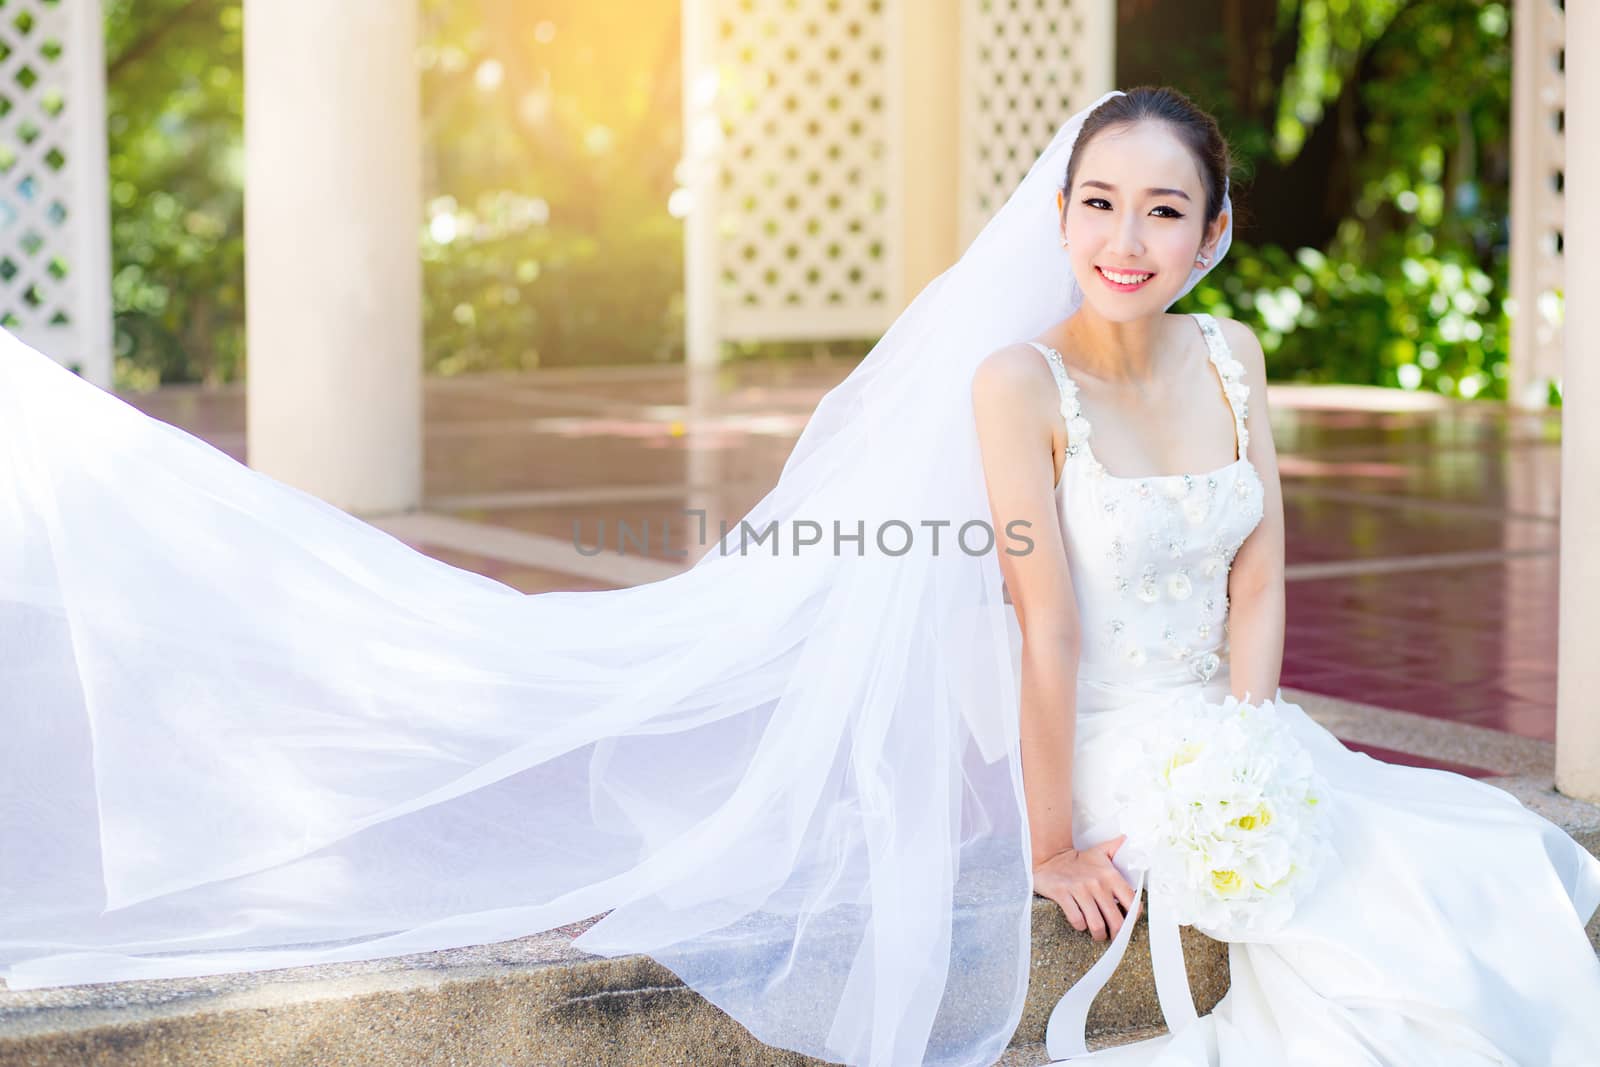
<point x="1088" y="887"/>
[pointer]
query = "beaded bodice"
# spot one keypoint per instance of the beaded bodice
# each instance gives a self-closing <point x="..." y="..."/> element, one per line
<point x="1150" y="556"/>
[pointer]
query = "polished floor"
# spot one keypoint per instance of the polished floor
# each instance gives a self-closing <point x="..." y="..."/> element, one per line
<point x="1421" y="535"/>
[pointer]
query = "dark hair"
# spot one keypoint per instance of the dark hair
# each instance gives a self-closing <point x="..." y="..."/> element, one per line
<point x="1192" y="124"/>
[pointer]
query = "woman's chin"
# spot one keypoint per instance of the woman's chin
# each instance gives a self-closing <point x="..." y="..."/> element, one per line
<point x="1114" y="308"/>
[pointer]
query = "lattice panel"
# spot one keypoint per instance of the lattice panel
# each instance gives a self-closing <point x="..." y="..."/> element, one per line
<point x="802" y="178"/>
<point x="1029" y="66"/>
<point x="54" y="289"/>
<point x="1538" y="199"/>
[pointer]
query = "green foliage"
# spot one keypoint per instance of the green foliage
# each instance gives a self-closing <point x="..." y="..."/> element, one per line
<point x="553" y="136"/>
<point x="174" y="125"/>
<point x="1432" y="324"/>
<point x="1412" y="290"/>
<point x="1374" y="133"/>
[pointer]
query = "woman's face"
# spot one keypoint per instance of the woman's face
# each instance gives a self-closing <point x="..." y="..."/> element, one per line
<point x="1136" y="209"/>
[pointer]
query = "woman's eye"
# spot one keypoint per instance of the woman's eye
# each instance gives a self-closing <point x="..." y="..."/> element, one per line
<point x="1173" y="214"/>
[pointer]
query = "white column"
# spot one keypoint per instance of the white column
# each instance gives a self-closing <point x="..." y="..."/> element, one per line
<point x="1537" y="156"/>
<point x="926" y="155"/>
<point x="91" y="195"/>
<point x="702" y="157"/>
<point x="333" y="193"/>
<point x="1577" y="722"/>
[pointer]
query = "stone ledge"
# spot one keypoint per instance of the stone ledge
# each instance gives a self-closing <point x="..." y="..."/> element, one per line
<point x="532" y="1000"/>
<point x="538" y="1000"/>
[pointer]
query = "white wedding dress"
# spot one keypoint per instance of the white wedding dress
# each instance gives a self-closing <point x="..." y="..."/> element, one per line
<point x="1450" y="928"/>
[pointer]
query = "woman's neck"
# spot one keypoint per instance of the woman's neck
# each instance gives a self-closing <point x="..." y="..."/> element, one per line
<point x="1133" y="353"/>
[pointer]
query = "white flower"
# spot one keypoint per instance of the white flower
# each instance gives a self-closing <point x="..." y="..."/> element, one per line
<point x="1147" y="590"/>
<point x="1226" y="811"/>
<point x="1077" y="429"/>
<point x="1135" y="656"/>
<point x="1179" y="586"/>
<point x="1195" y="510"/>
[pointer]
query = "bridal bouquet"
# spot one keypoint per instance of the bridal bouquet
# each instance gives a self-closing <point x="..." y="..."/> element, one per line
<point x="1224" y="810"/>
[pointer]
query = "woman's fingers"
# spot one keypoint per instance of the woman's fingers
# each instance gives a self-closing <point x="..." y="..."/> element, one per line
<point x="1091" y="892"/>
<point x="1107" y="903"/>
<point x="1120" y="888"/>
<point x="1119" y="884"/>
<point x="1090" y="903"/>
<point x="1074" y="914"/>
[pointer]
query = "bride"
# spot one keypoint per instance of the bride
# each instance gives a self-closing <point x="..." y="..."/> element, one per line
<point x="820" y="779"/>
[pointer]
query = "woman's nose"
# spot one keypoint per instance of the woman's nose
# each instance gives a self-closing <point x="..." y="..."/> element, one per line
<point x="1126" y="239"/>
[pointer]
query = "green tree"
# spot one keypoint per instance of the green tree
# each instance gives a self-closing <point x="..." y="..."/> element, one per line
<point x="1374" y="147"/>
<point x="174" y="92"/>
<point x="1372" y="138"/>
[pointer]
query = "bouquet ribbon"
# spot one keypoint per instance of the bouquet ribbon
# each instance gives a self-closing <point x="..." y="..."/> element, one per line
<point x="1065" y="1035"/>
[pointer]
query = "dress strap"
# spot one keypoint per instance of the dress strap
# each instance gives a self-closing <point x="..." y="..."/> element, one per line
<point x="1071" y="410"/>
<point x="1231" y="371"/>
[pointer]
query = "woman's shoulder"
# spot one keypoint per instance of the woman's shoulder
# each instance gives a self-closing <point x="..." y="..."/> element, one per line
<point x="1014" y="386"/>
<point x="1012" y="370"/>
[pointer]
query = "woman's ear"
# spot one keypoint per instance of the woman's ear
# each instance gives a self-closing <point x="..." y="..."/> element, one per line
<point x="1215" y="232"/>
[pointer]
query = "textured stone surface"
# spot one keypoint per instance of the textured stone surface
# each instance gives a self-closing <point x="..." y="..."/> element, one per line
<point x="534" y="1000"/>
<point x="1061" y="954"/>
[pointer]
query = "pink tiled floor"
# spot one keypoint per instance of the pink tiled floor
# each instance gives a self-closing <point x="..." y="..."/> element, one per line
<point x="1473" y="643"/>
<point x="1467" y="640"/>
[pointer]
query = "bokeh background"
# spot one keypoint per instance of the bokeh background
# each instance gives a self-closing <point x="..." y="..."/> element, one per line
<point x="1372" y="139"/>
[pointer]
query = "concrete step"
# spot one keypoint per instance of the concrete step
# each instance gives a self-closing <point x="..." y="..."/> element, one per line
<point x="538" y="1000"/>
<point x="535" y="1000"/>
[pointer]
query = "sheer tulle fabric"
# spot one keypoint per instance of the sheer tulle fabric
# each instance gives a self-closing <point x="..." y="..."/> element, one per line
<point x="245" y="730"/>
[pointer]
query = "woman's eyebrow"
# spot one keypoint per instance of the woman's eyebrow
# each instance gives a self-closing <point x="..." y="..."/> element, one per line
<point x="1154" y="191"/>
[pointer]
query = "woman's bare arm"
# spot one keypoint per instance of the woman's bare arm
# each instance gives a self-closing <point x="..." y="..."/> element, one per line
<point x="1014" y="432"/>
<point x="1255" y="584"/>
<point x="1016" y="405"/>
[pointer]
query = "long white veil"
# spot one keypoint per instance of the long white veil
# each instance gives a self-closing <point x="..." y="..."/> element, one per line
<point x="245" y="730"/>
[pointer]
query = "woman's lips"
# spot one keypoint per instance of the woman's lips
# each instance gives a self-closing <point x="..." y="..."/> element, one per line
<point x="1119" y="286"/>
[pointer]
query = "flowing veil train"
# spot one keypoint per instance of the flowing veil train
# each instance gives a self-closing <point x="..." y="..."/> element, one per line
<point x="245" y="730"/>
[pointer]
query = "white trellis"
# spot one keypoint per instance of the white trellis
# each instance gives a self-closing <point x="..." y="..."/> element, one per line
<point x="1538" y="142"/>
<point x="55" y="289"/>
<point x="839" y="153"/>
<point x="788" y="150"/>
<point x="1027" y="67"/>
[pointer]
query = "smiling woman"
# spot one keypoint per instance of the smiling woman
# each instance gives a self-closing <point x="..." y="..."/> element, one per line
<point x="246" y="730"/>
<point x="1142" y="631"/>
<point x="1126" y="233"/>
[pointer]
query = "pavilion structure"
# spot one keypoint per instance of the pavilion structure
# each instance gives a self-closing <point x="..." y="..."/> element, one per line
<point x="838" y="155"/>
